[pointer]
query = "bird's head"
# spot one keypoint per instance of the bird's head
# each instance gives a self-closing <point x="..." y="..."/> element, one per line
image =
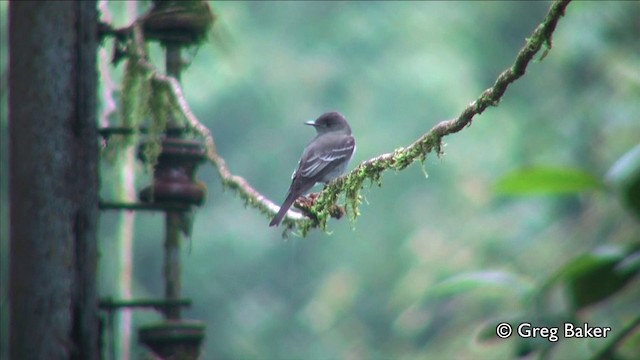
<point x="330" y="122"/>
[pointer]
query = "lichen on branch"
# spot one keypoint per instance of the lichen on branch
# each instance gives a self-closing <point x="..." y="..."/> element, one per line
<point x="322" y="206"/>
<point x="372" y="169"/>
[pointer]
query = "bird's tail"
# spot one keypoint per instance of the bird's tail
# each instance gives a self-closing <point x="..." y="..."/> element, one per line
<point x="283" y="209"/>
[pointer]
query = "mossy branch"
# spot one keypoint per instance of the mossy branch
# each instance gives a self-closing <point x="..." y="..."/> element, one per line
<point x="319" y="211"/>
<point x="372" y="169"/>
<point x="167" y="97"/>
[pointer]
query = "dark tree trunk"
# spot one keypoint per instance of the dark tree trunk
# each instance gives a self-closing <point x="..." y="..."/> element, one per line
<point x="53" y="180"/>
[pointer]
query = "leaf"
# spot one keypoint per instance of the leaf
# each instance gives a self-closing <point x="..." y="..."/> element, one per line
<point x="600" y="274"/>
<point x="547" y="180"/>
<point x="624" y="175"/>
<point x="480" y="280"/>
<point x="626" y="167"/>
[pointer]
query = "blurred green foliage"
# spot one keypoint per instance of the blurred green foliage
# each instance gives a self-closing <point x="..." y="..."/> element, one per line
<point x="624" y="178"/>
<point x="547" y="180"/>
<point x="431" y="265"/>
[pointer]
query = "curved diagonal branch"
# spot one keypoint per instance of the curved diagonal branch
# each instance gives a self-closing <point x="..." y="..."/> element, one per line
<point x="251" y="196"/>
<point x="372" y="169"/>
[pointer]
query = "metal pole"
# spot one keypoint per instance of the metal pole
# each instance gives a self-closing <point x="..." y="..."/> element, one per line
<point x="173" y="219"/>
<point x="53" y="180"/>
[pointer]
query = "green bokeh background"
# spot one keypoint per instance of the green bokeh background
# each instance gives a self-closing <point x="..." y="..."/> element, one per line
<point x="365" y="290"/>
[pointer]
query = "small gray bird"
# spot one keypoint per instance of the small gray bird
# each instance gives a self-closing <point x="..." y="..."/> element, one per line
<point x="325" y="158"/>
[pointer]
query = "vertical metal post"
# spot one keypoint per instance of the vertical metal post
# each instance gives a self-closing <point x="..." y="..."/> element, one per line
<point x="175" y="24"/>
<point x="173" y="59"/>
<point x="173" y="219"/>
<point x="172" y="262"/>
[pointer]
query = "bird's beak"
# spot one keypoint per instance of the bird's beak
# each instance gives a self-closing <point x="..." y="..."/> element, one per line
<point x="310" y="122"/>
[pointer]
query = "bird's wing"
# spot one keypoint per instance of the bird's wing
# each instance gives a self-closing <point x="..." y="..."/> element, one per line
<point x="333" y="151"/>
